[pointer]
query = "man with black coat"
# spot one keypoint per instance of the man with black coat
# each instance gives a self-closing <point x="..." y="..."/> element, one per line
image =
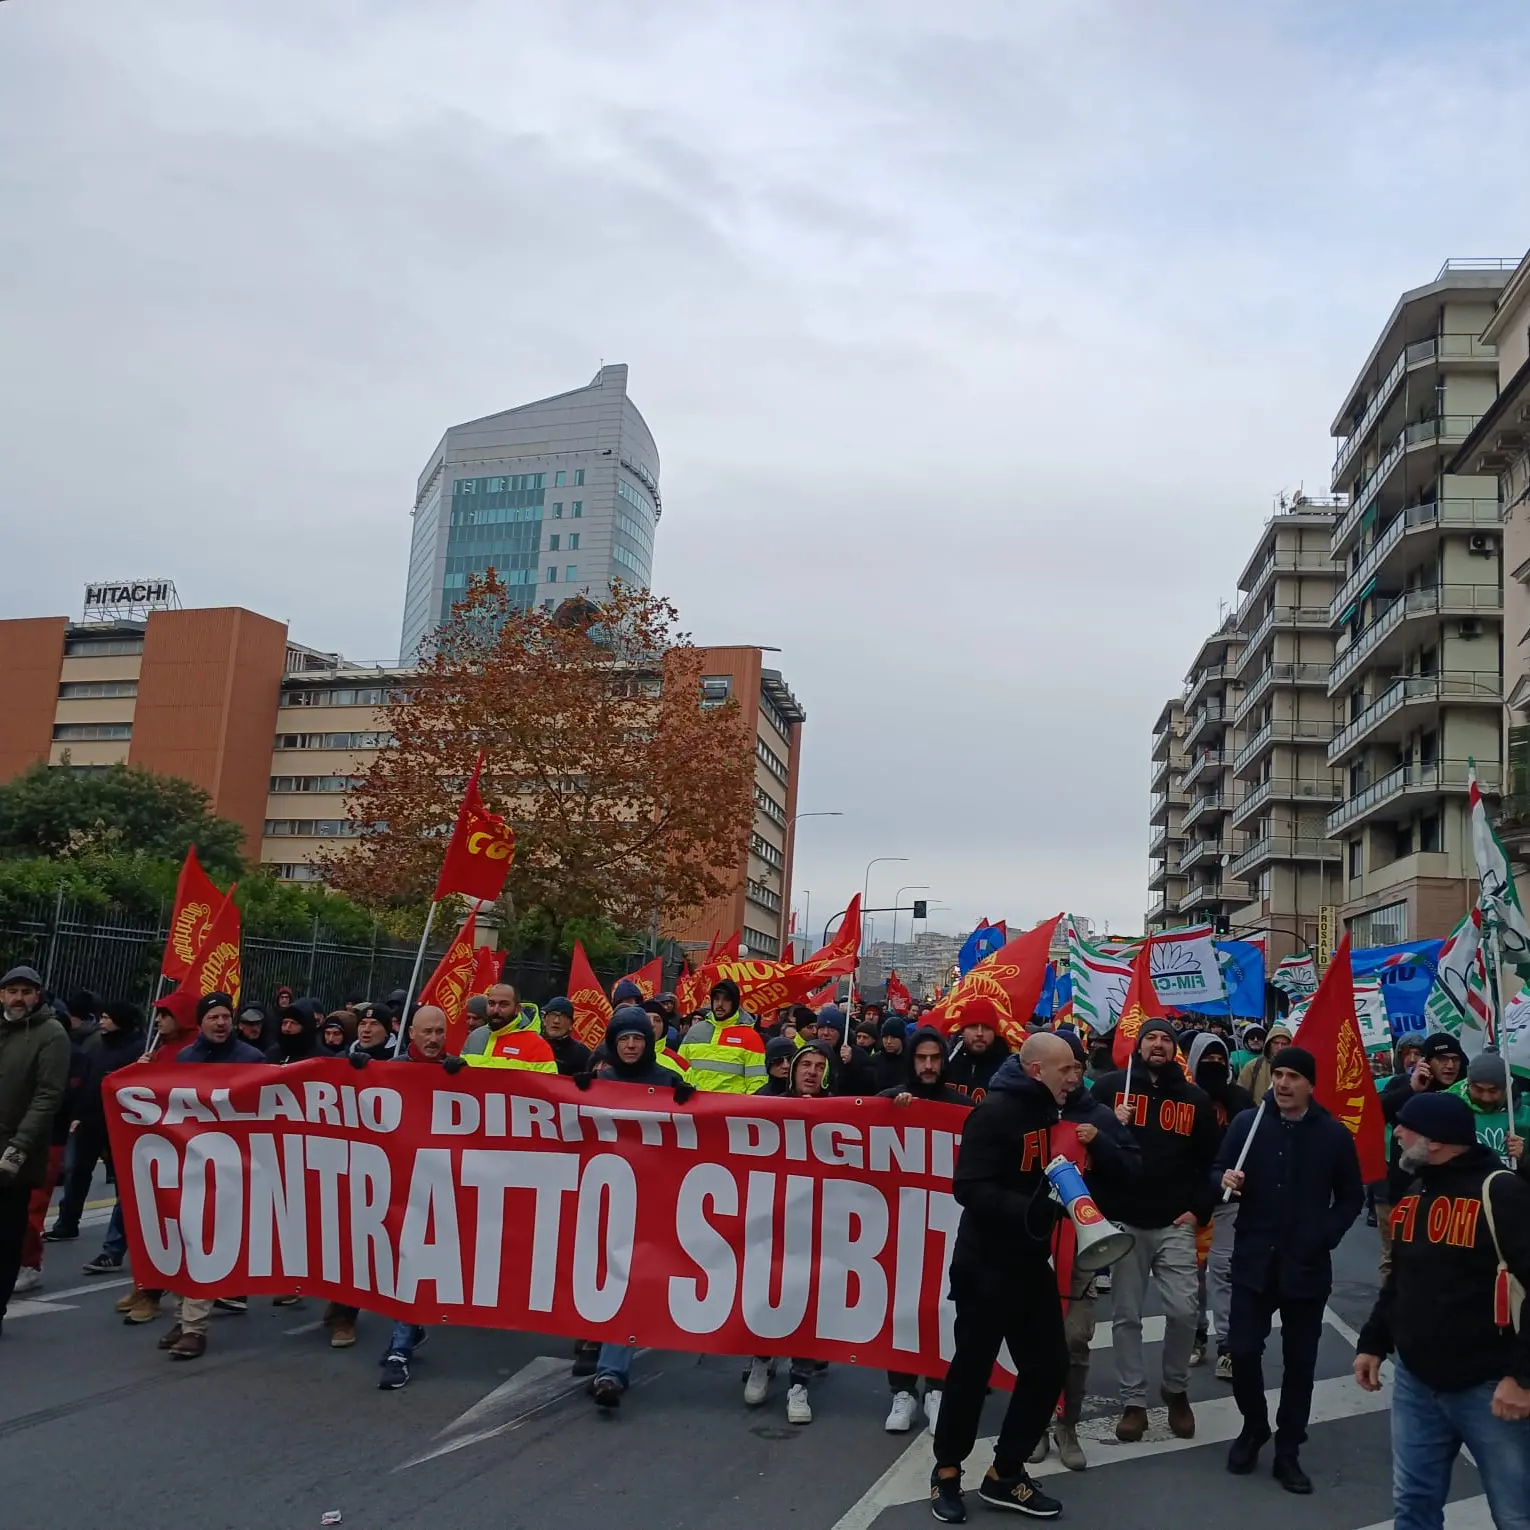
<point x="1111" y="1159"/>
<point x="1002" y="1281"/>
<point x="1299" y="1191"/>
<point x="890" y="1061"/>
<point x="1460" y="1232"/>
<point x="1176" y="1129"/>
<point x="981" y="1050"/>
<point x="297" y="1032"/>
<point x="558" y="1032"/>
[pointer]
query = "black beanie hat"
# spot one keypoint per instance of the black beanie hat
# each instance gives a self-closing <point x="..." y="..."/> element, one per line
<point x="1441" y="1117"/>
<point x="210" y="1001"/>
<point x="1158" y="1025"/>
<point x="1298" y="1060"/>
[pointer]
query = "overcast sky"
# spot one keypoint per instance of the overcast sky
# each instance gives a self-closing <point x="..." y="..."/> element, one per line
<point x="977" y="338"/>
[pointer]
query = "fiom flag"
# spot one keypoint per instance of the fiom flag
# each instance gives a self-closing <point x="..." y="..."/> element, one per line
<point x="1141" y="1006"/>
<point x="1331" y="1032"/>
<point x="488" y="967"/>
<point x="196" y="901"/>
<point x="215" y="968"/>
<point x="649" y="978"/>
<point x="592" y="1009"/>
<point x="481" y="851"/>
<point x="452" y="982"/>
<point x="898" y="995"/>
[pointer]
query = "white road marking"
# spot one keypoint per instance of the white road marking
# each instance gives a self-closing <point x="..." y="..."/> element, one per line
<point x="305" y="1327"/>
<point x="1152" y="1331"/>
<point x="1463" y="1514"/>
<point x="95" y="1285"/>
<point x="21" y="1307"/>
<point x="907" y="1480"/>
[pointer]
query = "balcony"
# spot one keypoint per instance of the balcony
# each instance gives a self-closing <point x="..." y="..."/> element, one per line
<point x="1379" y="401"/>
<point x="1409" y="692"/>
<point x="1158" y="839"/>
<point x="1464" y="600"/>
<point x="1161" y="873"/>
<point x="1278" y="674"/>
<point x="1286" y="563"/>
<point x="1396" y="789"/>
<point x="1441" y="429"/>
<point x="1207" y="763"/>
<point x="1285" y="789"/>
<point x="1438" y="515"/>
<point x="1209" y="895"/>
<point x="1209" y="674"/>
<point x="1157" y="910"/>
<point x="1212" y="715"/>
<point x="1289" y="730"/>
<point x="1211" y="802"/>
<point x="1160" y="775"/>
<point x="1284" y="847"/>
<point x="1200" y="852"/>
<point x="1284" y="619"/>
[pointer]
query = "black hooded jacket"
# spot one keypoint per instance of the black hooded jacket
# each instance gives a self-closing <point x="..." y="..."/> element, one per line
<point x="646" y="1069"/>
<point x="1115" y="1160"/>
<point x="572" y="1056"/>
<point x="117" y="1050"/>
<point x="941" y="1092"/>
<point x="1008" y="1213"/>
<point x="308" y="1013"/>
<point x="1176" y="1129"/>
<point x="778" y="1049"/>
<point x="1228" y="1097"/>
<point x="1436" y="1308"/>
<point x="970" y="1073"/>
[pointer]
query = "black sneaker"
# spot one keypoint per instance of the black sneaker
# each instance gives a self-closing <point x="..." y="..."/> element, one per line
<point x="586" y="1357"/>
<point x="1243" y="1453"/>
<point x="395" y="1374"/>
<point x="103" y="1264"/>
<point x="946" y="1498"/>
<point x="59" y="1233"/>
<point x="1288" y="1472"/>
<point x="607" y="1392"/>
<point x="1018" y="1493"/>
<point x="232" y="1303"/>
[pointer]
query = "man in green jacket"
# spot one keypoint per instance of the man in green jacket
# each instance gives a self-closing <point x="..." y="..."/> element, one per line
<point x="34" y="1072"/>
<point x="1483" y="1090"/>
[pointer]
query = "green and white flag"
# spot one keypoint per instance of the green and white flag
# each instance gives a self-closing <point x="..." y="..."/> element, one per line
<point x="1371" y="1013"/>
<point x="1516" y="1034"/>
<point x="1185" y="965"/>
<point x="1460" y="1003"/>
<point x="1498" y="897"/>
<point x="1100" y="982"/>
<point x="1296" y="976"/>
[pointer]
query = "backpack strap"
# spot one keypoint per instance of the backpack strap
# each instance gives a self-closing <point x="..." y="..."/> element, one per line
<point x="1508" y="1293"/>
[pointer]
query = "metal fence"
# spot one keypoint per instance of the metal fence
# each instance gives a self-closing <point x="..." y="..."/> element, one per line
<point x="115" y="953"/>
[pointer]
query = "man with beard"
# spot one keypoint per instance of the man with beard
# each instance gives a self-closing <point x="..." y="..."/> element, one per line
<point x="1002" y="1282"/>
<point x="297" y="1032"/>
<point x="34" y="1072"/>
<point x="924" y="1061"/>
<point x="1212" y="1067"/>
<point x="1176" y="1129"/>
<point x="980" y="1052"/>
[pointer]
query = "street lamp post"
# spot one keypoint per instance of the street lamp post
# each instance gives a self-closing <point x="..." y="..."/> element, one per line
<point x="791" y="825"/>
<point x="897" y="899"/>
<point x="855" y="978"/>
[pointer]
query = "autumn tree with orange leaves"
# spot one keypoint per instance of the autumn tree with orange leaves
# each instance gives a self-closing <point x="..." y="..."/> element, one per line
<point x="628" y="798"/>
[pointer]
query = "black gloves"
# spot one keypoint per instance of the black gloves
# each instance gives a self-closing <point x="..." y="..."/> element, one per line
<point x="359" y="1059"/>
<point x="584" y="1080"/>
<point x="683" y="1092"/>
<point x="453" y="1064"/>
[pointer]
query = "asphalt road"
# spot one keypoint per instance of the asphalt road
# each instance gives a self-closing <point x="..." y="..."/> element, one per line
<point x="272" y="1428"/>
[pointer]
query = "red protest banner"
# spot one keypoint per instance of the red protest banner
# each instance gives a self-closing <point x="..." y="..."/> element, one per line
<point x="732" y="1225"/>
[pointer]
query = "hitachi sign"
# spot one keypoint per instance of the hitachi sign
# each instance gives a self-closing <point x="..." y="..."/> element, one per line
<point x="130" y="592"/>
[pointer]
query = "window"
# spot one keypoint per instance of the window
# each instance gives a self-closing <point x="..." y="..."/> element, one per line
<point x="300" y="871"/>
<point x="766" y="851"/>
<point x="571" y="573"/>
<point x="1386" y="926"/>
<point x="619" y="554"/>
<point x="573" y="541"/>
<point x="578" y="477"/>
<point x="91" y="732"/>
<point x="280" y="784"/>
<point x="79" y="690"/>
<point x="552" y="542"/>
<point x="770" y="759"/>
<point x="557" y="509"/>
<point x="311" y="828"/>
<point x="340" y="696"/>
<point x="551" y="576"/>
<point x="558" y="479"/>
<point x="757" y="943"/>
<point x="1356" y="858"/>
<point x="578" y="508"/>
<point x="1429" y="833"/>
<point x="715" y="689"/>
<point x="769" y="806"/>
<point x="334" y="740"/>
<point x="101" y="648"/>
<point x="757" y="892"/>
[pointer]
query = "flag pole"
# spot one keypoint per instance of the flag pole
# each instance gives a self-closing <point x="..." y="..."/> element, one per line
<point x="1498" y="1037"/>
<point x="1248" y="1142"/>
<point x="414" y="981"/>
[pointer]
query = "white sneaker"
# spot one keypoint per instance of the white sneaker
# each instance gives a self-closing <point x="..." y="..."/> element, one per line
<point x="758" y="1383"/>
<point x="904" y="1406"/>
<point x="797" y="1409"/>
<point x="28" y="1278"/>
<point x="932" y="1408"/>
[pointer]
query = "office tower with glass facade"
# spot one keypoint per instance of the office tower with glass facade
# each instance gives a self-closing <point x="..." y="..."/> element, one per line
<point x="560" y="497"/>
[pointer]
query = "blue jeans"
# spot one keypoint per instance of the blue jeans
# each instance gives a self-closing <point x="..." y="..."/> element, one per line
<point x="615" y="1360"/>
<point x="1428" y="1431"/>
<point x="115" y="1246"/>
<point x="405" y="1337"/>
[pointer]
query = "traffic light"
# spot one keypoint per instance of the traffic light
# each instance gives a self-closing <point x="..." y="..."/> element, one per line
<point x="1223" y="925"/>
<point x="921" y="906"/>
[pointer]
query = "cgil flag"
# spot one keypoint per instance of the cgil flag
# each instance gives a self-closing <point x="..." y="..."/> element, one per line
<point x="898" y="996"/>
<point x="197" y="900"/>
<point x="451" y="984"/>
<point x="1331" y="1032"/>
<point x="488" y="968"/>
<point x="481" y="851"/>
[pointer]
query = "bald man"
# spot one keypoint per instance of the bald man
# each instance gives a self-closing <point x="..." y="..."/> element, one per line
<point x="427" y="1035"/>
<point x="1002" y="1281"/>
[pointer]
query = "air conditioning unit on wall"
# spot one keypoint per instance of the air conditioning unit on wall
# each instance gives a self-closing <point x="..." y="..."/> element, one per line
<point x="1469" y="627"/>
<point x="1482" y="544"/>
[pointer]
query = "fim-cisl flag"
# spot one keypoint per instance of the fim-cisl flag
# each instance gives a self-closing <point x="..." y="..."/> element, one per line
<point x="1331" y="1032"/>
<point x="1296" y="976"/>
<point x="1459" y="1003"/>
<point x="196" y="902"/>
<point x="215" y="967"/>
<point x="481" y="851"/>
<point x="1498" y="897"/>
<point x="592" y="1009"/>
<point x="451" y="984"/>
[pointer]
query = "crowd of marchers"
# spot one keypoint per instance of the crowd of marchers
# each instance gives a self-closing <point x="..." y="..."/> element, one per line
<point x="1233" y="1211"/>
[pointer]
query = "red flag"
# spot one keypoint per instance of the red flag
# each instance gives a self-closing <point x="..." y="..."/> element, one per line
<point x="215" y="968"/>
<point x="1010" y="981"/>
<point x="1141" y="1005"/>
<point x="197" y="900"/>
<point x="1330" y="1031"/>
<point x="481" y="851"/>
<point x="451" y="983"/>
<point x="825" y="995"/>
<point x="488" y="968"/>
<point x="650" y="977"/>
<point x="592" y="1009"/>
<point x="729" y="949"/>
<point x="897" y="994"/>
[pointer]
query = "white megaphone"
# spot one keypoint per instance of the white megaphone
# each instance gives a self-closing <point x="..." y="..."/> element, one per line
<point x="1100" y="1242"/>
